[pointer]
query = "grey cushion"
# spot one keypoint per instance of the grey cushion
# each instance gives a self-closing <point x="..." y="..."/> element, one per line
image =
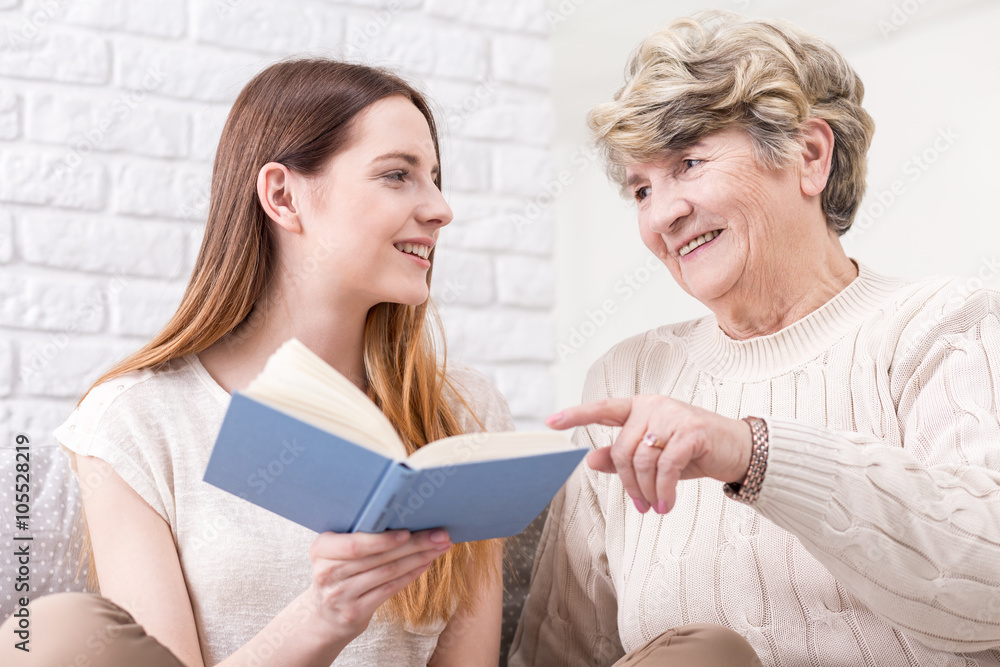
<point x="517" y="575"/>
<point x="54" y="505"/>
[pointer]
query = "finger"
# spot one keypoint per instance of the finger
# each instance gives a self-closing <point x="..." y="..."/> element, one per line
<point x="600" y="460"/>
<point x="670" y="469"/>
<point x="609" y="412"/>
<point x="374" y="598"/>
<point x="427" y="540"/>
<point x="350" y="546"/>
<point x="360" y="585"/>
<point x="645" y="463"/>
<point x="624" y="453"/>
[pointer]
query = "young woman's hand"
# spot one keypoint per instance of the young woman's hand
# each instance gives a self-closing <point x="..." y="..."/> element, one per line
<point x="353" y="574"/>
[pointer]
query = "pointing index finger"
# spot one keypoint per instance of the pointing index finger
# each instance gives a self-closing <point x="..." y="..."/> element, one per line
<point x="609" y="412"/>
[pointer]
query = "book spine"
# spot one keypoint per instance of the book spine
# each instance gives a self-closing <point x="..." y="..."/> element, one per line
<point x="378" y="512"/>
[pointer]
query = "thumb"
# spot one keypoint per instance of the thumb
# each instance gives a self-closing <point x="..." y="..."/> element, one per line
<point x="600" y="460"/>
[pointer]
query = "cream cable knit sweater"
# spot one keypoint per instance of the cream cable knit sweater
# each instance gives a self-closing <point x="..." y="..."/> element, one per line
<point x="876" y="538"/>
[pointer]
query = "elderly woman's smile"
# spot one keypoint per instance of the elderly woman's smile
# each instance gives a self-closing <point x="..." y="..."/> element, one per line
<point x="698" y="242"/>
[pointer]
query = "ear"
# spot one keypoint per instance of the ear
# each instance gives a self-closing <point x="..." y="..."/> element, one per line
<point x="277" y="192"/>
<point x="817" y="140"/>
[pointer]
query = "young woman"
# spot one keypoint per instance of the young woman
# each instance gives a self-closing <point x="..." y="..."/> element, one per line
<point x="326" y="206"/>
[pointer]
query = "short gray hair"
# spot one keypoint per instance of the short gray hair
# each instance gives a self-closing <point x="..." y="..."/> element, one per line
<point x="718" y="70"/>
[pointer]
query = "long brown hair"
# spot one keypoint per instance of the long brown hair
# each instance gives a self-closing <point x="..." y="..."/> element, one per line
<point x="299" y="113"/>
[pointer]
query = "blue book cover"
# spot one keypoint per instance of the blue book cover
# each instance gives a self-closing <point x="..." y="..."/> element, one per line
<point x="327" y="483"/>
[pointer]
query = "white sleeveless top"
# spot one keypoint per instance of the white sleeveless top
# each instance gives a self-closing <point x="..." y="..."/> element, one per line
<point x="242" y="564"/>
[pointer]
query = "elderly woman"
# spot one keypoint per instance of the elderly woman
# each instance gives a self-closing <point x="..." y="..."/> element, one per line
<point x="816" y="465"/>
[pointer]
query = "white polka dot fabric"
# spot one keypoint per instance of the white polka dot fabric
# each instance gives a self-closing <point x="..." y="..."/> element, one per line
<point x="54" y="509"/>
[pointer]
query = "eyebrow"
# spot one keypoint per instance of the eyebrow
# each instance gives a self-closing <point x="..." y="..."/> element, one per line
<point x="635" y="178"/>
<point x="632" y="180"/>
<point x="408" y="158"/>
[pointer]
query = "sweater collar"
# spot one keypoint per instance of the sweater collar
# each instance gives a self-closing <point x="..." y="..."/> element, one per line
<point x="768" y="356"/>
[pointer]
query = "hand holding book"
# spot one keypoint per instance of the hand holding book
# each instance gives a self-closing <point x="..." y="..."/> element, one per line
<point x="302" y="441"/>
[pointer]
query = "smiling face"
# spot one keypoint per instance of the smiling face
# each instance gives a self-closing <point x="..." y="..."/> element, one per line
<point x="716" y="219"/>
<point x="372" y="216"/>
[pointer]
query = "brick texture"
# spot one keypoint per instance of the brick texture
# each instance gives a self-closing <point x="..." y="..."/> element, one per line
<point x="110" y="112"/>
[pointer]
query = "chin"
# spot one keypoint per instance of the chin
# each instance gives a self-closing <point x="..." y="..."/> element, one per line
<point x="706" y="290"/>
<point x="414" y="299"/>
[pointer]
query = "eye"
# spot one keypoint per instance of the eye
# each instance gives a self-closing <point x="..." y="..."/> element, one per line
<point x="690" y="163"/>
<point x="398" y="176"/>
<point x="642" y="193"/>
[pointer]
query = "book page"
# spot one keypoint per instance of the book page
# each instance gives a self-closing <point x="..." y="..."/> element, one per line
<point x="298" y="382"/>
<point x="488" y="446"/>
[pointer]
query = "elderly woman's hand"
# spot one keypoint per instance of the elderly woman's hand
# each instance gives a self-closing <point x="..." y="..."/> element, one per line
<point x="696" y="443"/>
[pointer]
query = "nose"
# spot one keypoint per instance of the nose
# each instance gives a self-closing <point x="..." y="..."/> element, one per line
<point x="668" y="206"/>
<point x="434" y="210"/>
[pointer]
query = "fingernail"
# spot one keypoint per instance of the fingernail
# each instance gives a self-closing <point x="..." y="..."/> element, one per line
<point x="661" y="507"/>
<point x="439" y="536"/>
<point x="554" y="418"/>
<point x="641" y="505"/>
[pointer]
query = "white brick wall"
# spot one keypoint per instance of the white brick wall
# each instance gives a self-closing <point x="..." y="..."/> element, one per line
<point x="110" y="111"/>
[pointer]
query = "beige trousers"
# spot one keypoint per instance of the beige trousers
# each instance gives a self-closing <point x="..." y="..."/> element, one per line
<point x="87" y="630"/>
<point x="81" y="630"/>
<point x="695" y="645"/>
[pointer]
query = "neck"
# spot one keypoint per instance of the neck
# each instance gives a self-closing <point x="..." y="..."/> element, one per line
<point x="798" y="284"/>
<point x="333" y="330"/>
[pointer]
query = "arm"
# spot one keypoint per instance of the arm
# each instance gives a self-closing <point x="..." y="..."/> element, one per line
<point x="472" y="636"/>
<point x="570" y="613"/>
<point x="139" y="569"/>
<point x="913" y="531"/>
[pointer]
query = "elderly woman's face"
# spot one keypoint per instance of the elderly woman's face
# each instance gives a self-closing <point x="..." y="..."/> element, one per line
<point x="714" y="217"/>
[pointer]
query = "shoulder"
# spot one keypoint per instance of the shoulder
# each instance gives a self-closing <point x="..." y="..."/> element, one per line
<point x="902" y="302"/>
<point x="127" y="402"/>
<point x="483" y="398"/>
<point x="934" y="311"/>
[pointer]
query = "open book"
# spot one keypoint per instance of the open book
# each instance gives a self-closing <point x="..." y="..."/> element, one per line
<point x="304" y="442"/>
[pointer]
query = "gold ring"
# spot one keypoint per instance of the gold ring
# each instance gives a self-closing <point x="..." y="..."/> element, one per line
<point x="651" y="440"/>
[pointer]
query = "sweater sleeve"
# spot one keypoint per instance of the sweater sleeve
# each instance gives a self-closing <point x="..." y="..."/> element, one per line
<point x="570" y="613"/>
<point x="912" y="531"/>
